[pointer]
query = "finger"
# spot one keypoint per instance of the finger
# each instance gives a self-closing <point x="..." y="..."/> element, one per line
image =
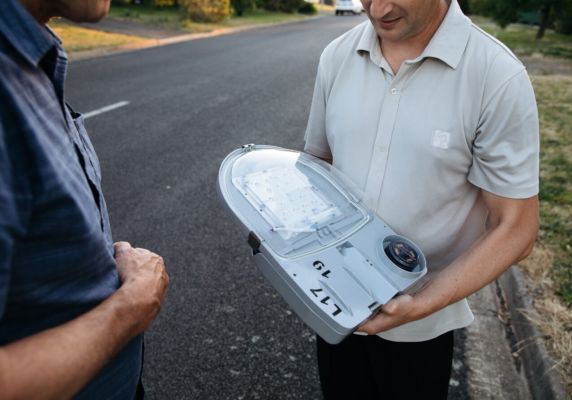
<point x="375" y="325"/>
<point x="391" y="306"/>
<point x="398" y="304"/>
<point x="145" y="252"/>
<point x="119" y="247"/>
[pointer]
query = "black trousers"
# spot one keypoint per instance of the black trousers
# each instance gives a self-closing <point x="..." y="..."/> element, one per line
<point x="369" y="367"/>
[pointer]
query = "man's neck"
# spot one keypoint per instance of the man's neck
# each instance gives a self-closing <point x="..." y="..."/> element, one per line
<point x="396" y="52"/>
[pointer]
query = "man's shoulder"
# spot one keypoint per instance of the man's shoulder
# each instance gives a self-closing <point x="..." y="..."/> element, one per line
<point x="9" y="71"/>
<point x="344" y="45"/>
<point x="489" y="53"/>
<point x="9" y="61"/>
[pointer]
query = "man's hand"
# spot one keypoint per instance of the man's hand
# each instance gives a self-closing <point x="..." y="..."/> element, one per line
<point x="58" y="362"/>
<point x="397" y="311"/>
<point x="144" y="282"/>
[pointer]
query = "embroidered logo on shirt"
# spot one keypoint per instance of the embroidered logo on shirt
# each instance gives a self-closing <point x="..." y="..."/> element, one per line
<point x="441" y="139"/>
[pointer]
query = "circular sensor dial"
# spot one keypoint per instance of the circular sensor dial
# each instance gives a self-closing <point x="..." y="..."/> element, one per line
<point x="402" y="254"/>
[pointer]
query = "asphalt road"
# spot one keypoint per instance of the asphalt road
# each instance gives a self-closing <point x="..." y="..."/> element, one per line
<point x="223" y="333"/>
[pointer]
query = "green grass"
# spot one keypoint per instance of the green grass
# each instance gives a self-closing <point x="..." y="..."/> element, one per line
<point x="554" y="96"/>
<point x="521" y="39"/>
<point x="167" y="17"/>
<point x="175" y="19"/>
<point x="253" y="17"/>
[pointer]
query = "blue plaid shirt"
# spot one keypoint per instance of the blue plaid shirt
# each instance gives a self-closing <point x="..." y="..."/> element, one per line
<point x="56" y="250"/>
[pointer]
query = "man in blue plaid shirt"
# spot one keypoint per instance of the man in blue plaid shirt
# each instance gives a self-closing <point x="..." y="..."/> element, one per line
<point x="73" y="305"/>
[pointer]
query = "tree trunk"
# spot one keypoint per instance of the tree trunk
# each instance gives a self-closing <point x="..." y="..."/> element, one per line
<point x="544" y="18"/>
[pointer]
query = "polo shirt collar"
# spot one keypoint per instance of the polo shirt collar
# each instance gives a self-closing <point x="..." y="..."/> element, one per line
<point x="28" y="38"/>
<point x="369" y="43"/>
<point x="448" y="42"/>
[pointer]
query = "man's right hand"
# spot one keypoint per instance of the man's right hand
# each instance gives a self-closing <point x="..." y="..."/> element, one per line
<point x="144" y="282"/>
<point x="58" y="362"/>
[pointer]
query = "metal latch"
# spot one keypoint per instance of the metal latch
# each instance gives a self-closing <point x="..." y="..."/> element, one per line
<point x="254" y="242"/>
<point x="248" y="147"/>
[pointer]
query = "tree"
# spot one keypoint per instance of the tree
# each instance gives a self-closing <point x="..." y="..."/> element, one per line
<point x="506" y="11"/>
<point x="563" y="20"/>
<point x="465" y="6"/>
<point x="207" y="10"/>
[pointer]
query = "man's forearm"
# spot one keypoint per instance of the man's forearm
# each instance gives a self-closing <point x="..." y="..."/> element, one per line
<point x="57" y="363"/>
<point x="513" y="229"/>
<point x="487" y="259"/>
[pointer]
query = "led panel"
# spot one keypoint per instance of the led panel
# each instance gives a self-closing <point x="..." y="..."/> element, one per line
<point x="287" y="200"/>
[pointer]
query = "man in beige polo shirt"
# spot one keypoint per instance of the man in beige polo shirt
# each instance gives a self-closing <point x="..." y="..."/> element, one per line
<point x="436" y="122"/>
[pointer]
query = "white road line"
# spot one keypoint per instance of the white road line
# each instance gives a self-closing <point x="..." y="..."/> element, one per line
<point x="105" y="109"/>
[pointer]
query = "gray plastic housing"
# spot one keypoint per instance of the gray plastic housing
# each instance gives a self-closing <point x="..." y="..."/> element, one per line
<point x="328" y="263"/>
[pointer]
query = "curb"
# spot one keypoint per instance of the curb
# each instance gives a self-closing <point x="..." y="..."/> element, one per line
<point x="543" y="379"/>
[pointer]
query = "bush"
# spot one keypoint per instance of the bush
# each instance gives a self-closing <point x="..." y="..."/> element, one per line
<point x="207" y="10"/>
<point x="240" y="6"/>
<point x="287" y="6"/>
<point x="307" y="8"/>
<point x="164" y="3"/>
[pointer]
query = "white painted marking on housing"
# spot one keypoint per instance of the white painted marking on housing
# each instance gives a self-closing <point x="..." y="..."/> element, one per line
<point x="105" y="109"/>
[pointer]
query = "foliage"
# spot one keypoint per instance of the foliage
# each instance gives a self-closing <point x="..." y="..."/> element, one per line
<point x="465" y="6"/>
<point x="164" y="3"/>
<point x="207" y="10"/>
<point x="240" y="6"/>
<point x="563" y="23"/>
<point x="307" y="8"/>
<point x="520" y="39"/>
<point x="287" y="6"/>
<point x="552" y="12"/>
<point x="164" y="17"/>
<point x="502" y="11"/>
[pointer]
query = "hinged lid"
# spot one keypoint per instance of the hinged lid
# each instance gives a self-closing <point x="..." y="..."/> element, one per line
<point x="291" y="200"/>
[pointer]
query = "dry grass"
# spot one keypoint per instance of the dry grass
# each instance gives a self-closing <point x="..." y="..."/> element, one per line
<point x="522" y="39"/>
<point x="551" y="316"/>
<point x="80" y="39"/>
<point x="554" y="96"/>
<point x="548" y="267"/>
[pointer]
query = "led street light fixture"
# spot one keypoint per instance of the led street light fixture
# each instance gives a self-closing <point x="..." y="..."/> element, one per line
<point x="333" y="260"/>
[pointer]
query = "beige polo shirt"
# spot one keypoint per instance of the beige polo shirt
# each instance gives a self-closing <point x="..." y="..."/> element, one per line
<point x="422" y="144"/>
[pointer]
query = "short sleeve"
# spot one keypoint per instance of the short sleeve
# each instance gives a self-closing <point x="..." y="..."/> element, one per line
<point x="316" y="140"/>
<point x="506" y="145"/>
<point x="14" y="204"/>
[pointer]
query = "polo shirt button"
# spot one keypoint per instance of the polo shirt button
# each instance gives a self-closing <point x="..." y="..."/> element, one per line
<point x="394" y="91"/>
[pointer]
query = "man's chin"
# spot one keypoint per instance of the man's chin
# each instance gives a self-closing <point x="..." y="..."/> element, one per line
<point x="92" y="14"/>
<point x="98" y="15"/>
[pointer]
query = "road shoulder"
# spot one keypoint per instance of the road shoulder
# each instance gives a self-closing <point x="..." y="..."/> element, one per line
<point x="145" y="36"/>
